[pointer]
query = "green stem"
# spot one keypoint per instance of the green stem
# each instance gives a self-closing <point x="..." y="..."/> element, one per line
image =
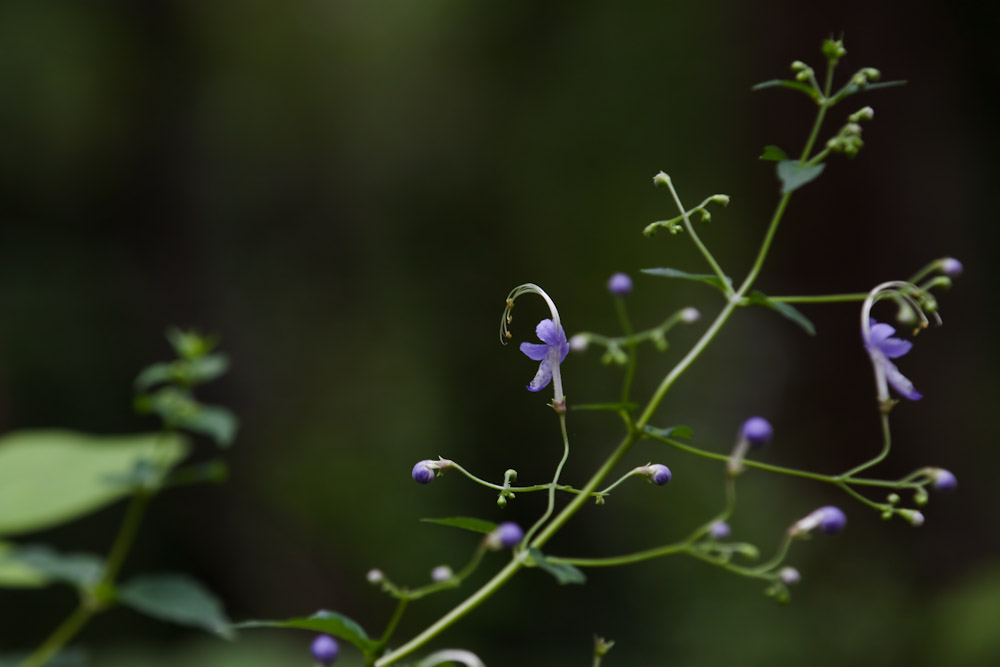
<point x="61" y="636"/>
<point x="555" y="480"/>
<point x="886" y="446"/>
<point x="697" y="241"/>
<point x="626" y="325"/>
<point x="126" y="536"/>
<point x="823" y="105"/>
<point x="822" y="298"/>
<point x="394" y="621"/>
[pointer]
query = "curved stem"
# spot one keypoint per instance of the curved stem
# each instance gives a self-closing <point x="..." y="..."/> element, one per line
<point x="555" y="480"/>
<point x="697" y="241"/>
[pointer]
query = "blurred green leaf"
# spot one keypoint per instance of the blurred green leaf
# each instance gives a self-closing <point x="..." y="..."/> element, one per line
<point x="329" y="622"/>
<point x="190" y="344"/>
<point x="214" y="421"/>
<point x="793" y="175"/>
<point x="785" y="309"/>
<point x="215" y="471"/>
<point x="466" y="523"/>
<point x="50" y="477"/>
<point x="175" y="598"/>
<point x="154" y="374"/>
<point x="671" y="431"/>
<point x="17" y="574"/>
<point x="854" y="88"/>
<point x="773" y="154"/>
<point x="794" y="85"/>
<point x="78" y="569"/>
<point x="184" y="372"/>
<point x="709" y="278"/>
<point x="563" y="572"/>
<point x="68" y="657"/>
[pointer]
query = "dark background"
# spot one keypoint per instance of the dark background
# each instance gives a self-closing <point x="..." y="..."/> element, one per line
<point x="346" y="191"/>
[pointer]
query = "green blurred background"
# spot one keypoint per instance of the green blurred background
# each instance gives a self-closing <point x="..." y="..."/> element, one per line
<point x="347" y="190"/>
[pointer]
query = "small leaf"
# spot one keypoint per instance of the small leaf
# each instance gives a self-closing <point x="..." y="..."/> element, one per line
<point x="854" y="88"/>
<point x="214" y="421"/>
<point x="186" y="373"/>
<point x="78" y="569"/>
<point x="50" y="477"/>
<point x="794" y="85"/>
<point x="671" y="431"/>
<point x="785" y="309"/>
<point x="709" y="278"/>
<point x="17" y="574"/>
<point x="175" y="598"/>
<point x="328" y="622"/>
<point x="154" y="374"/>
<point x="793" y="175"/>
<point x="563" y="572"/>
<point x="745" y="549"/>
<point x="773" y="154"/>
<point x="466" y="523"/>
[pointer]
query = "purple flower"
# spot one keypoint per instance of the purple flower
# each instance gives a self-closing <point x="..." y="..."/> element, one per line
<point x="325" y="649"/>
<point x="551" y="354"/>
<point x="828" y="519"/>
<point x="951" y="267"/>
<point x="757" y="431"/>
<point x="881" y="348"/>
<point x="719" y="530"/>
<point x="658" y="473"/>
<point x="424" y="471"/>
<point x="505" y="536"/>
<point x="620" y="284"/>
<point x="944" y="480"/>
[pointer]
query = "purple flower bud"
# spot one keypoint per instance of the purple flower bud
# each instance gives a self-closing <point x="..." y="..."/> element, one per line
<point x="831" y="519"/>
<point x="507" y="535"/>
<point x="719" y="530"/>
<point x="789" y="576"/>
<point x="951" y="267"/>
<point x="620" y="284"/>
<point x="944" y="480"/>
<point x="441" y="573"/>
<point x="658" y="474"/>
<point x="757" y="431"/>
<point x="375" y="576"/>
<point x="325" y="649"/>
<point x="424" y="471"/>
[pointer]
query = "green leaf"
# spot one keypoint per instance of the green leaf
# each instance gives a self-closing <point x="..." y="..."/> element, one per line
<point x="466" y="523"/>
<point x="78" y="569"/>
<point x="785" y="309"/>
<point x="15" y="573"/>
<point x="189" y="344"/>
<point x="793" y="175"/>
<point x="51" y="477"/>
<point x="709" y="278"/>
<point x="773" y="154"/>
<point x="215" y="471"/>
<point x="794" y="85"/>
<point x="671" y="431"/>
<point x="175" y="598"/>
<point x="563" y="572"/>
<point x="214" y="421"/>
<point x="854" y="88"/>
<point x="187" y="373"/>
<point x="604" y="406"/>
<point x="154" y="374"/>
<point x="328" y="622"/>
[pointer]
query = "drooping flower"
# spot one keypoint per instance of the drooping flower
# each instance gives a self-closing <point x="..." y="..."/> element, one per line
<point x="881" y="348"/>
<point x="550" y="352"/>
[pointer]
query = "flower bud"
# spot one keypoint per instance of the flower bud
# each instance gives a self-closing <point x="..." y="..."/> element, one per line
<point x="943" y="480"/>
<point x="914" y="517"/>
<point x="424" y="471"/>
<point x="865" y="113"/>
<point x="951" y="267"/>
<point x="757" y="431"/>
<point x="690" y="315"/>
<point x="441" y="573"/>
<point x="579" y="343"/>
<point x="325" y="650"/>
<point x="375" y="576"/>
<point x="505" y="536"/>
<point x="722" y="200"/>
<point x="789" y="576"/>
<point x="620" y="284"/>
<point x="719" y="530"/>
<point x="661" y="180"/>
<point x="828" y="519"/>
<point x="657" y="473"/>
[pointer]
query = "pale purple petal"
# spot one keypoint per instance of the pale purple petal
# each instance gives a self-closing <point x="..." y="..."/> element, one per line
<point x="895" y="347"/>
<point x="543" y="376"/>
<point x="899" y="381"/>
<point x="548" y="332"/>
<point x="534" y="351"/>
<point x="880" y="332"/>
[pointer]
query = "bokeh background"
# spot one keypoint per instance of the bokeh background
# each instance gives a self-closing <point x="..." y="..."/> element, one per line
<point x="346" y="191"/>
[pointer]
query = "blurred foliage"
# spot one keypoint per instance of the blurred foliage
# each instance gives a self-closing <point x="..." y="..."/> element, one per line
<point x="347" y="191"/>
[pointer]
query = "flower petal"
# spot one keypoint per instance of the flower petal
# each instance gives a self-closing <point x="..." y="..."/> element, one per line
<point x="899" y="381"/>
<point x="548" y="332"/>
<point x="895" y="347"/>
<point x="880" y="332"/>
<point x="542" y="377"/>
<point x="535" y="351"/>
